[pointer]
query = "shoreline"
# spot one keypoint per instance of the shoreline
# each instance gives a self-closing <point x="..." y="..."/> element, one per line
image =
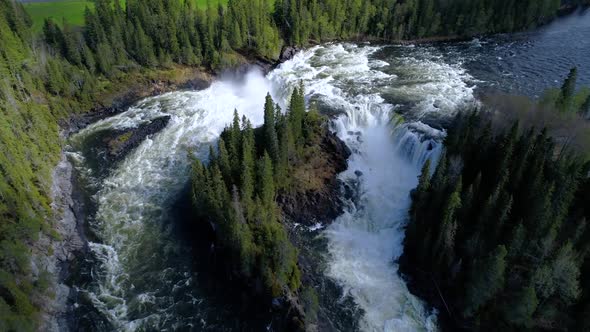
<point x="58" y="253"/>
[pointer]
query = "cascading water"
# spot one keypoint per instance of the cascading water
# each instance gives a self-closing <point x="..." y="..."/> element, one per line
<point x="387" y="156"/>
<point x="143" y="276"/>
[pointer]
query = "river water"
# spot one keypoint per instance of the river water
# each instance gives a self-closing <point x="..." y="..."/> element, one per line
<point x="388" y="103"/>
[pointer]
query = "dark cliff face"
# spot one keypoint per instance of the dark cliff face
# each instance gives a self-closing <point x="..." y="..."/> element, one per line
<point x="321" y="203"/>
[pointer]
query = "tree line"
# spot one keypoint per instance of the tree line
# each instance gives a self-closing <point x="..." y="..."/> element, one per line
<point x="159" y="32"/>
<point x="499" y="228"/>
<point x="303" y="20"/>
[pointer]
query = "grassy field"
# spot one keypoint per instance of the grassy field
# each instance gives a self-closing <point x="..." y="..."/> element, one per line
<point x="72" y="10"/>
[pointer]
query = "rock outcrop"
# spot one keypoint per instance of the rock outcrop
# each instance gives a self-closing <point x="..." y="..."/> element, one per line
<point x="121" y="142"/>
<point x="53" y="254"/>
<point x="319" y="202"/>
<point x="287" y="53"/>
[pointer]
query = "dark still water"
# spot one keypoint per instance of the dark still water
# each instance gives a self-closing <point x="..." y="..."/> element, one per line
<point x="530" y="62"/>
<point x="141" y="274"/>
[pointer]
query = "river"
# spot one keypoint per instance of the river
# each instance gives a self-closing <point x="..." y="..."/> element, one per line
<point x="142" y="274"/>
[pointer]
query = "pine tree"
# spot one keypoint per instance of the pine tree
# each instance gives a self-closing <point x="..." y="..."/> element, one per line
<point x="235" y="144"/>
<point x="487" y="279"/>
<point x="296" y="115"/>
<point x="224" y="164"/>
<point x="519" y="311"/>
<point x="424" y="180"/>
<point x="281" y="168"/>
<point x="270" y="134"/>
<point x="567" y="91"/>
<point x="444" y="247"/>
<point x="267" y="192"/>
<point x="247" y="174"/>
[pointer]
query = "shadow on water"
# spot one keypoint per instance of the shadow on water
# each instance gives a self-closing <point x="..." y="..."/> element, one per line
<point x="228" y="303"/>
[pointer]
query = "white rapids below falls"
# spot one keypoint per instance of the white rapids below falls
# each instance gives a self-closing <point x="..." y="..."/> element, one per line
<point x="139" y="284"/>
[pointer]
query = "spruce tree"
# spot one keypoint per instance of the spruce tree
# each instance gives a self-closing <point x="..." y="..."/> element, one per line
<point x="267" y="192"/>
<point x="224" y="164"/>
<point x="271" y="142"/>
<point x="567" y="91"/>
<point x="487" y="279"/>
<point x="296" y="114"/>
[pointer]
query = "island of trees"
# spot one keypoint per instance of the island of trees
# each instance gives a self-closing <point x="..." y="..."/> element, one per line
<point x="236" y="191"/>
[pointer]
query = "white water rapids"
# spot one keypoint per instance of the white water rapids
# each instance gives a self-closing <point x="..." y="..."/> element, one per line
<point x="139" y="282"/>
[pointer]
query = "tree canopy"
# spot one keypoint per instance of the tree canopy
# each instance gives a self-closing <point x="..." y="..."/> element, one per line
<point x="501" y="227"/>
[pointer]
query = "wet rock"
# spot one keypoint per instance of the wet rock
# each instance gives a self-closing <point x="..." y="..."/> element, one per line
<point x="195" y="84"/>
<point x="122" y="142"/>
<point x="287" y="53"/>
<point x="348" y="191"/>
<point x="323" y="204"/>
<point x="53" y="254"/>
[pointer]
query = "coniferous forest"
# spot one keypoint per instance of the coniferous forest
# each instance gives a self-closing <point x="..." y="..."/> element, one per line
<point x="249" y="168"/>
<point x="510" y="249"/>
<point x="535" y="199"/>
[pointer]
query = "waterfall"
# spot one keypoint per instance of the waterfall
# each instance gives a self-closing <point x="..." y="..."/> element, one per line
<point x="142" y="277"/>
<point x="365" y="242"/>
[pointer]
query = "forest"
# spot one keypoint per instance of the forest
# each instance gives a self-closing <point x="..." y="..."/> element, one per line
<point x="63" y="71"/>
<point x="498" y="234"/>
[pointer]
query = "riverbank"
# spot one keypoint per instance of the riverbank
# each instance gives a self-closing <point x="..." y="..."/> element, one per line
<point x="56" y="253"/>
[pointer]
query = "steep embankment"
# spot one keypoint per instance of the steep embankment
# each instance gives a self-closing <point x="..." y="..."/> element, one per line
<point x="54" y="255"/>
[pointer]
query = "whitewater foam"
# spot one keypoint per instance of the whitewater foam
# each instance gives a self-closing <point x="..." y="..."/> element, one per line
<point x="140" y="280"/>
<point x="133" y="201"/>
<point x="366" y="240"/>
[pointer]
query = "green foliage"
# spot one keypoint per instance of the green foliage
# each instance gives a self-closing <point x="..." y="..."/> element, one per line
<point x="270" y="131"/>
<point x="486" y="280"/>
<point x="564" y="102"/>
<point x="244" y="175"/>
<point x="29" y="148"/>
<point x="88" y="47"/>
<point x="501" y="228"/>
<point x="321" y="20"/>
<point x="311" y="304"/>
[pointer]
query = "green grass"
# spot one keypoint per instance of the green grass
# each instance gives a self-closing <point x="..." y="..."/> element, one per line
<point x="73" y="10"/>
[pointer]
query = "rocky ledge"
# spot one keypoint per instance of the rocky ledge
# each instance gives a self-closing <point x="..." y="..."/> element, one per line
<point x="53" y="254"/>
<point x="119" y="143"/>
<point x="316" y="197"/>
